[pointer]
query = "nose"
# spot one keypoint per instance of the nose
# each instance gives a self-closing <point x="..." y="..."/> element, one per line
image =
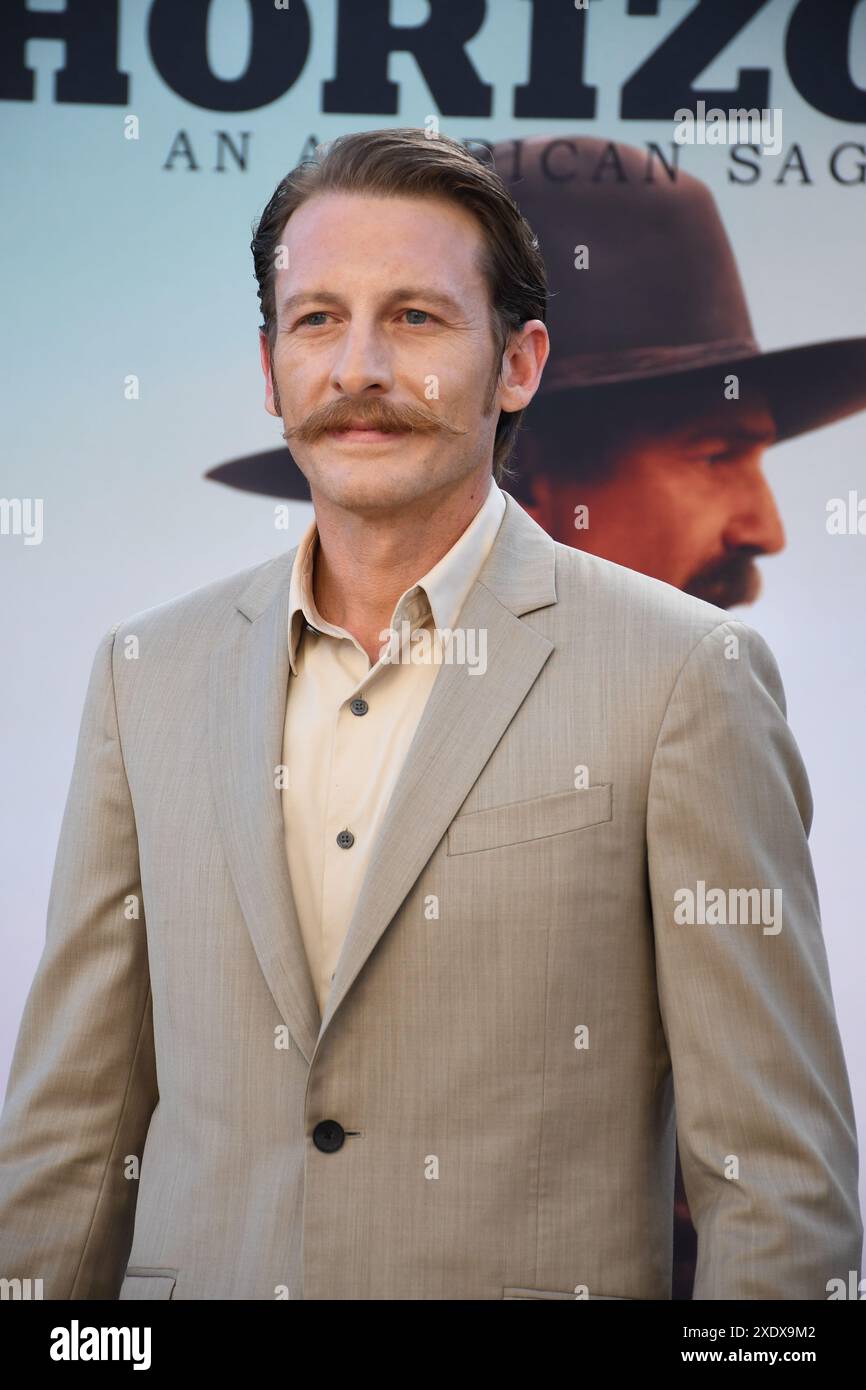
<point x="755" y="521"/>
<point x="362" y="362"/>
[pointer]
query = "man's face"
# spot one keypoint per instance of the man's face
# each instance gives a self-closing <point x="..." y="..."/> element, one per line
<point x="687" y="503"/>
<point x="383" y="317"/>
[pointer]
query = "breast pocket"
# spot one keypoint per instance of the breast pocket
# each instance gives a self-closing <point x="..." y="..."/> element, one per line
<point x="535" y="819"/>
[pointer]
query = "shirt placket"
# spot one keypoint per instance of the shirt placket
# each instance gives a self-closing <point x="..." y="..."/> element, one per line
<point x="347" y="827"/>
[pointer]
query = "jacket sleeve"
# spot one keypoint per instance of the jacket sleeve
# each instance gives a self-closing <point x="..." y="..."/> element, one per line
<point x="82" y="1086"/>
<point x="764" y="1114"/>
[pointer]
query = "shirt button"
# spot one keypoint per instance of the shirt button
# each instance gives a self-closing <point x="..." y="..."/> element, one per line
<point x="359" y="706"/>
<point x="345" y="839"/>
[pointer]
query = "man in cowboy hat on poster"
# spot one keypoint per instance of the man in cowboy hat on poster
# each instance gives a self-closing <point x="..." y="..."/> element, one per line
<point x="636" y="447"/>
<point x="431" y="955"/>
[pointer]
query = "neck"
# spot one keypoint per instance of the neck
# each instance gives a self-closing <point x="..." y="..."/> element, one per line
<point x="364" y="562"/>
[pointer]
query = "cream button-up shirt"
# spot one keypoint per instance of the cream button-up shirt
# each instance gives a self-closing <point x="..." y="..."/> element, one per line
<point x="348" y="728"/>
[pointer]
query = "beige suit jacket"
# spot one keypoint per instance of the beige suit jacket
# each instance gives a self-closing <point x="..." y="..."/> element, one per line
<point x="518" y="1021"/>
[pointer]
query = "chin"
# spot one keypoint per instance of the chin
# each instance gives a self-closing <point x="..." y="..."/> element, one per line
<point x="367" y="487"/>
<point x="360" y="484"/>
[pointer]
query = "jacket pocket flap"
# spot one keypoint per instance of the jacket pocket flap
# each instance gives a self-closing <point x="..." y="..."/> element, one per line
<point x="143" y="1281"/>
<point x="531" y="820"/>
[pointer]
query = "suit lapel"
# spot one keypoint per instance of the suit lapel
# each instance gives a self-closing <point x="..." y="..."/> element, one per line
<point x="463" y="720"/>
<point x="248" y="687"/>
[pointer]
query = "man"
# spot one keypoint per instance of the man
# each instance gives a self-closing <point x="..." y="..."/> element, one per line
<point x="415" y="982"/>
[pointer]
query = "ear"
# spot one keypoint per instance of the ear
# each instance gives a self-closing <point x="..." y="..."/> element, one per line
<point x="272" y="395"/>
<point x="523" y="362"/>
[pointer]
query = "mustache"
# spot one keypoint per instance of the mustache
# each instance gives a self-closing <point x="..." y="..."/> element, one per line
<point x="734" y="578"/>
<point x="374" y="414"/>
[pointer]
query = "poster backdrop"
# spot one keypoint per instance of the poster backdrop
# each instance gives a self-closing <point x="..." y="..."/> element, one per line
<point x="142" y="138"/>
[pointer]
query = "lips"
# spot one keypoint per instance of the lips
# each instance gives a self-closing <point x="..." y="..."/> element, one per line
<point x="361" y="429"/>
<point x="365" y="432"/>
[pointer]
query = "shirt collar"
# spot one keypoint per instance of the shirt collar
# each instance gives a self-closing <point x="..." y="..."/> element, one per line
<point x="442" y="591"/>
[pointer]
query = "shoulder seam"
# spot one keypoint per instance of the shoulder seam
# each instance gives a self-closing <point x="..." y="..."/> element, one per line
<point x="712" y="632"/>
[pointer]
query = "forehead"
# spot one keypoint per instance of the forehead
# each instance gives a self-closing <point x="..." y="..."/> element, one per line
<point x="354" y="242"/>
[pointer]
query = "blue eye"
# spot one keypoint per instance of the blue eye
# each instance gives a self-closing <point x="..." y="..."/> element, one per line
<point x="323" y="314"/>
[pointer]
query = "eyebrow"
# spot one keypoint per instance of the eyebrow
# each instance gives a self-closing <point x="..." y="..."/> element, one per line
<point x="425" y="292"/>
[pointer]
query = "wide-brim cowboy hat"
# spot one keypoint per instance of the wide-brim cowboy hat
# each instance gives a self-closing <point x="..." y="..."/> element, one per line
<point x="660" y="298"/>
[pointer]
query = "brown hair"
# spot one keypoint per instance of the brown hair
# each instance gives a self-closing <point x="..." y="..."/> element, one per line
<point x="405" y="162"/>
